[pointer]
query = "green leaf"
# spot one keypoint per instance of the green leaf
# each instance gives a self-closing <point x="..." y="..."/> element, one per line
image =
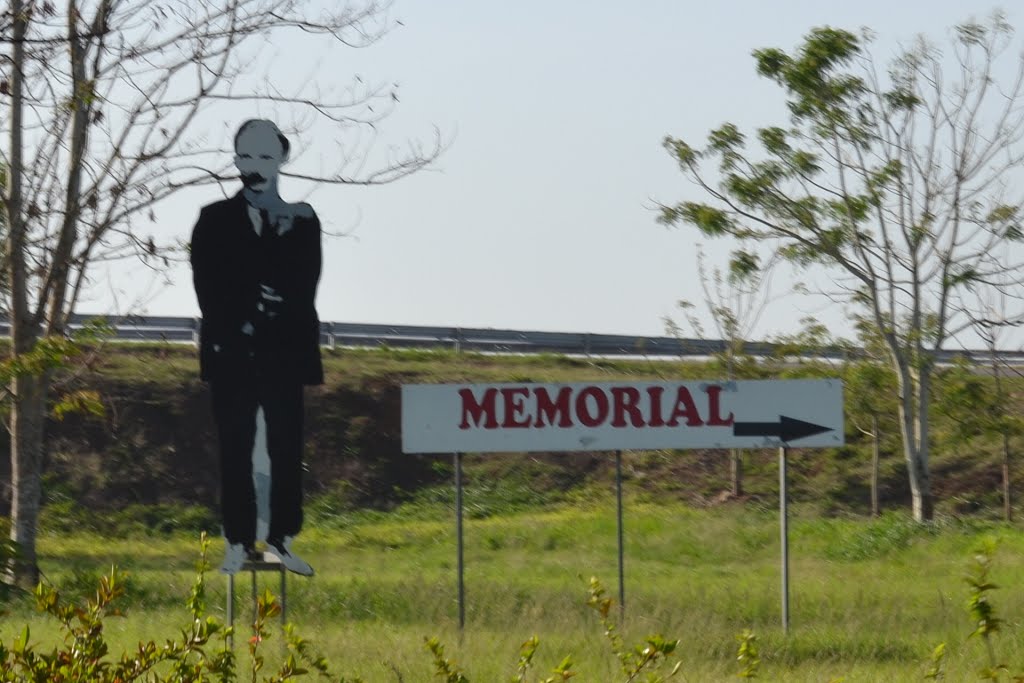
<point x="684" y="153"/>
<point x="742" y="266"/>
<point x="772" y="62"/>
<point x="21" y="642"/>
<point x="774" y="140"/>
<point x="709" y="220"/>
<point x="725" y="138"/>
<point x="901" y="99"/>
<point x="84" y="402"/>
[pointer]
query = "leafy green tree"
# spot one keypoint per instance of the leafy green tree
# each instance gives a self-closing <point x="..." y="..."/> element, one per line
<point x="868" y="386"/>
<point x="893" y="181"/>
<point x="974" y="397"/>
<point x="991" y="322"/>
<point x="736" y="300"/>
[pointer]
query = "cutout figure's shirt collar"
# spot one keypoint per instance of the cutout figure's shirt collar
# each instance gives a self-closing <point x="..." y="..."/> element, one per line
<point x="254" y="218"/>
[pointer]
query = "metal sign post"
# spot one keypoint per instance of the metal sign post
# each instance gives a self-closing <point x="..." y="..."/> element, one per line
<point x="784" y="533"/>
<point x="622" y="550"/>
<point x="458" y="532"/>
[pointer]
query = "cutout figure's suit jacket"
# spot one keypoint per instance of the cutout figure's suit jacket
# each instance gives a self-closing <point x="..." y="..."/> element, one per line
<point x="229" y="263"/>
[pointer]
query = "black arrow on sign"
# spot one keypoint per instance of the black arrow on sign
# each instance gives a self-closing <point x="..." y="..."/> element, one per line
<point x="787" y="429"/>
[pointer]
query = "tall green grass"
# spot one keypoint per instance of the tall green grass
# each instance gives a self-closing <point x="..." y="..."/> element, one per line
<point x="870" y="598"/>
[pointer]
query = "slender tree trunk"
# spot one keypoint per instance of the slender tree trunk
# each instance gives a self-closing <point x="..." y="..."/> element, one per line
<point x="736" y="471"/>
<point x="735" y="455"/>
<point x="1001" y="402"/>
<point x="923" y="503"/>
<point x="28" y="414"/>
<point x="875" y="453"/>
<point x="27" y="408"/>
<point x="913" y="411"/>
<point x="26" y="474"/>
<point x="1007" y="499"/>
<point x="83" y="97"/>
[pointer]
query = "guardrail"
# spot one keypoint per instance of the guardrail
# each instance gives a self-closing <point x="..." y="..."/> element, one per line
<point x="334" y="334"/>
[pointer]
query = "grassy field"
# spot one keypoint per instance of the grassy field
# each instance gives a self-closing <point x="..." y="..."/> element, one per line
<point x="870" y="599"/>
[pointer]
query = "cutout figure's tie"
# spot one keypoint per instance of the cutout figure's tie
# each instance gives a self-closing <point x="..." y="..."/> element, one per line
<point x="266" y="229"/>
<point x="265" y="250"/>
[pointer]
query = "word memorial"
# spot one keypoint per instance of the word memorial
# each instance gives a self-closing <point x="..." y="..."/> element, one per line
<point x="612" y="416"/>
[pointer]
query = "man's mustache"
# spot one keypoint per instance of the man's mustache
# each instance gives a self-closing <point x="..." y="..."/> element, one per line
<point x="252" y="178"/>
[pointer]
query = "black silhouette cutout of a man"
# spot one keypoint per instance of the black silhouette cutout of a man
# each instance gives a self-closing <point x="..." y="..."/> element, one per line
<point x="256" y="263"/>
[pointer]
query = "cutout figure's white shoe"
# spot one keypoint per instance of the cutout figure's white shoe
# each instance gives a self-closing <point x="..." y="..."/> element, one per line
<point x="234" y="557"/>
<point x="282" y="550"/>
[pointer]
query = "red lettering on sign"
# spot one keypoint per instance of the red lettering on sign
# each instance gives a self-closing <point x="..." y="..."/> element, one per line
<point x="655" y="393"/>
<point x="559" y="408"/>
<point x="715" y="408"/>
<point x="515" y="404"/>
<point x="685" y="407"/>
<point x="593" y="406"/>
<point x="583" y="414"/>
<point x="625" y="400"/>
<point x="482" y="411"/>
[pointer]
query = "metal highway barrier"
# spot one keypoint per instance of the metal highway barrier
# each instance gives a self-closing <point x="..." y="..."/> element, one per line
<point x="335" y="334"/>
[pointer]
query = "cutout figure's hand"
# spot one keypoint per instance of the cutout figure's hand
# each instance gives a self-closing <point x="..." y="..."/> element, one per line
<point x="270" y="301"/>
<point x="270" y="294"/>
<point x="247" y="328"/>
<point x="282" y="224"/>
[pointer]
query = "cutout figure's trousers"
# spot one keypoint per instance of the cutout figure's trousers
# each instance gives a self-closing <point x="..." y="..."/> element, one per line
<point x="235" y="404"/>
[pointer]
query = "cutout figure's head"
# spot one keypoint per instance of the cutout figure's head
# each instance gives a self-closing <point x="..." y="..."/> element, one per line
<point x="260" y="149"/>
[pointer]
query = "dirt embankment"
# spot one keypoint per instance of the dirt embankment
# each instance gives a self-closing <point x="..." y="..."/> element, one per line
<point x="156" y="442"/>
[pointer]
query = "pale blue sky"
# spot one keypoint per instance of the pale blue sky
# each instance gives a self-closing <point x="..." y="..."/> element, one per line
<point x="539" y="216"/>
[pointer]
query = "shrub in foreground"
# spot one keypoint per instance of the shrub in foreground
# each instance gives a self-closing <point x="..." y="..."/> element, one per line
<point x="202" y="651"/>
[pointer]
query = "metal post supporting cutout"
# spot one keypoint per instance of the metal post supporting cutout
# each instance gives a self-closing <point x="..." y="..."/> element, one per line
<point x="231" y="610"/>
<point x="622" y="550"/>
<point x="261" y="563"/>
<point x="458" y="534"/>
<point x="784" y="533"/>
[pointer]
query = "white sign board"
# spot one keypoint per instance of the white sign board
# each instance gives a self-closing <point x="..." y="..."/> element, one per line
<point x="606" y="416"/>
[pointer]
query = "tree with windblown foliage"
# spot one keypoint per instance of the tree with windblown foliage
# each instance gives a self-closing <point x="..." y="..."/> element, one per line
<point x="897" y="182"/>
